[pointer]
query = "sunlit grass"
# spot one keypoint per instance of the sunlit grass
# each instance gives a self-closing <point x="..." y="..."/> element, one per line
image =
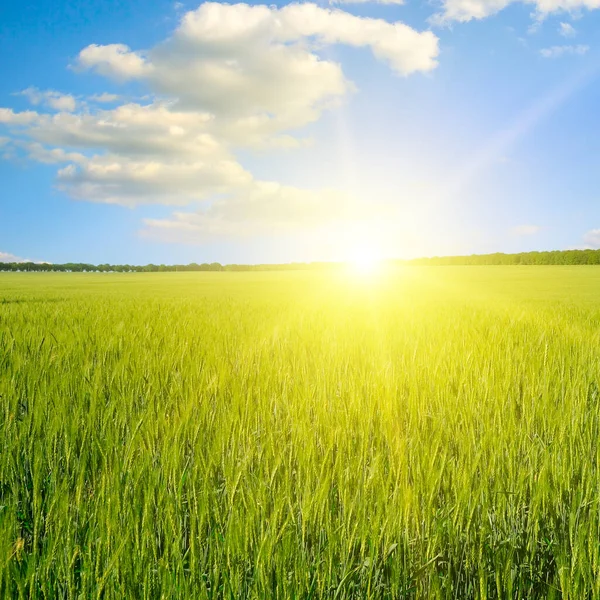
<point x="301" y="435"/>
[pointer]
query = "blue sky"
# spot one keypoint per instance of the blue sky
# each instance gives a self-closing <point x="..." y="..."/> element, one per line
<point x="135" y="132"/>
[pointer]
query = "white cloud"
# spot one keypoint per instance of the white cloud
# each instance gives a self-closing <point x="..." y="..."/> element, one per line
<point x="9" y="117"/>
<point x="137" y="154"/>
<point x="468" y="10"/>
<point x="228" y="59"/>
<point x="105" y="98"/>
<point x="114" y="179"/>
<point x="567" y="30"/>
<point x="230" y="76"/>
<point x="592" y="238"/>
<point x="558" y="51"/>
<point x="406" y="50"/>
<point x="257" y="69"/>
<point x="7" y="257"/>
<point x="114" y="60"/>
<point x="51" y="99"/>
<point x="260" y="208"/>
<point x="45" y="155"/>
<point x="521" y="230"/>
<point x="132" y="130"/>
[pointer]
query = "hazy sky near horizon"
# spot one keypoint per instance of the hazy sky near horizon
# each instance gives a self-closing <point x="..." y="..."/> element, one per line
<point x="136" y="132"/>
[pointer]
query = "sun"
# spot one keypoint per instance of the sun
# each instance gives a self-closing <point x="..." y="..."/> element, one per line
<point x="362" y="247"/>
<point x="365" y="259"/>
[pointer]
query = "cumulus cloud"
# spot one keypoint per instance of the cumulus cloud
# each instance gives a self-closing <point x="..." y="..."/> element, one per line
<point x="7" y="257"/>
<point x="592" y="238"/>
<point x="468" y="10"/>
<point x="136" y="154"/>
<point x="229" y="77"/>
<point x="230" y="59"/>
<point x="117" y="180"/>
<point x="45" y="155"/>
<point x="567" y="30"/>
<point x="131" y="130"/>
<point x="113" y="60"/>
<point x="9" y="117"/>
<point x="50" y="98"/>
<point x="105" y="98"/>
<point x="559" y="51"/>
<point x="521" y="230"/>
<point x="259" y="208"/>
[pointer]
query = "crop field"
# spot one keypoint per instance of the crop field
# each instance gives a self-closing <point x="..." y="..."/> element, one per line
<point x="427" y="432"/>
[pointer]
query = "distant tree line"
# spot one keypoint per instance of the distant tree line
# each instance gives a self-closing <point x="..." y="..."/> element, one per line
<point x="553" y="257"/>
<point x="151" y="268"/>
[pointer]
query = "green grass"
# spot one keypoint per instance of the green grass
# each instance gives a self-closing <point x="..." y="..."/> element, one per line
<point x="433" y="433"/>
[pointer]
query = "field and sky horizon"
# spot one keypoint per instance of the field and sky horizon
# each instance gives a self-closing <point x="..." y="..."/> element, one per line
<point x="364" y="423"/>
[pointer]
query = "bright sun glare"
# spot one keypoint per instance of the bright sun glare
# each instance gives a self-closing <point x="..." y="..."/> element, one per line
<point x="365" y="260"/>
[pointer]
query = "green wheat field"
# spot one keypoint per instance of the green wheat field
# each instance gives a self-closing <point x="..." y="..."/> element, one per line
<point x="428" y="432"/>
